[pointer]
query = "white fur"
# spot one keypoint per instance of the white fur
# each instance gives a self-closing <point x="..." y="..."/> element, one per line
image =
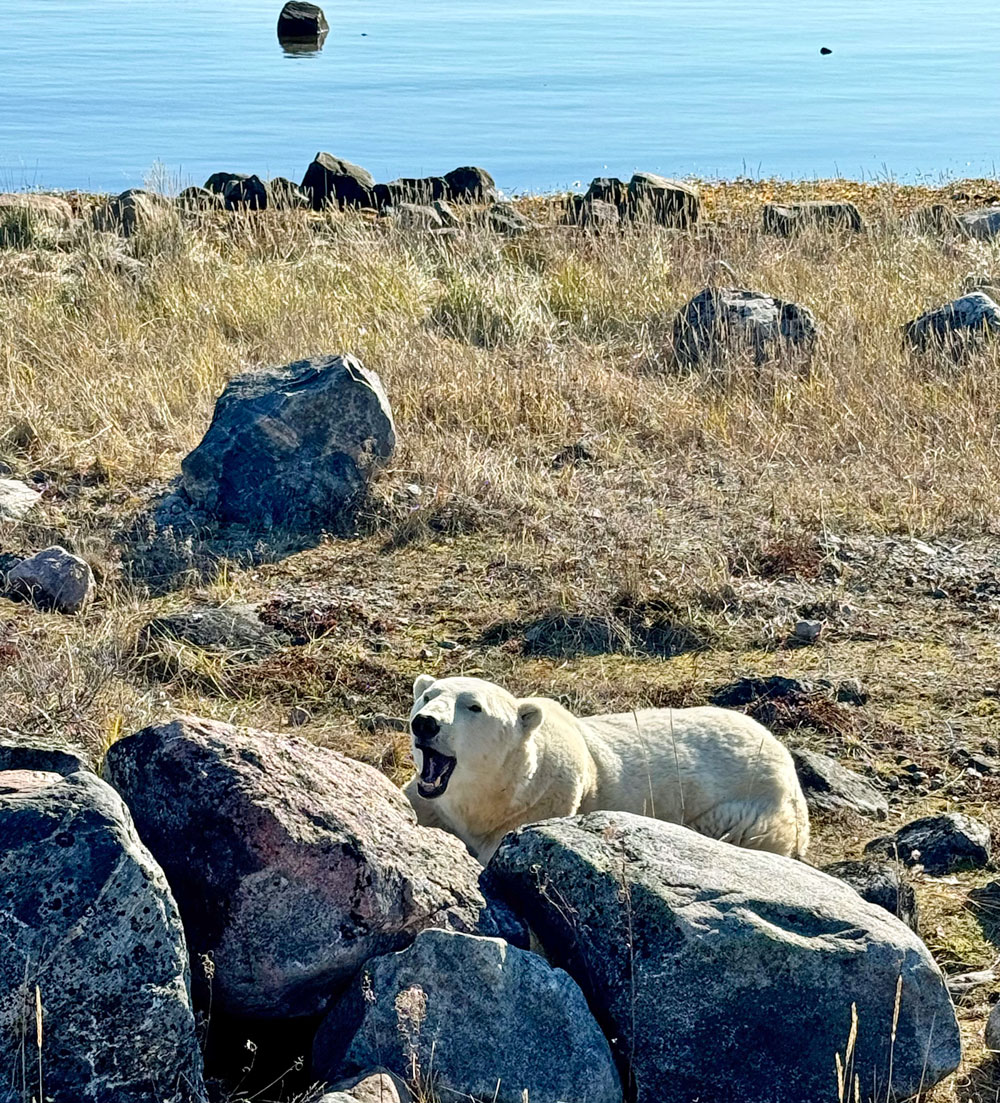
<point x="520" y="761"/>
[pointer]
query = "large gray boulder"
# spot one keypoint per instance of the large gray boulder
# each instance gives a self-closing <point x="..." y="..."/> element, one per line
<point x="786" y="219"/>
<point x="667" y="202"/>
<point x="301" y="20"/>
<point x="960" y="324"/>
<point x="733" y="321"/>
<point x="489" y="1022"/>
<point x="470" y="183"/>
<point x="331" y="181"/>
<point x="90" y="929"/>
<point x="292" y="864"/>
<point x="292" y="447"/>
<point x="727" y="974"/>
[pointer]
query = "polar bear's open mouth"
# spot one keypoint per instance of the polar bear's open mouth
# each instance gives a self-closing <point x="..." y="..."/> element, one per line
<point x="435" y="773"/>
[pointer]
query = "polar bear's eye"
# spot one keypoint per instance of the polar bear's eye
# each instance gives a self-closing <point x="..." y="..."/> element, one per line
<point x="474" y="708"/>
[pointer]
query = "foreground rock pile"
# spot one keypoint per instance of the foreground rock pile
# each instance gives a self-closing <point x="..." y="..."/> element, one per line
<point x="676" y="967"/>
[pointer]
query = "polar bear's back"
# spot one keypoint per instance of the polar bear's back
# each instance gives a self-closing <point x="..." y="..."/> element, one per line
<point x="714" y="769"/>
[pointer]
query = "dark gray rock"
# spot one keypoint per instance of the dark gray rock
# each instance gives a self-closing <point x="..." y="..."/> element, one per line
<point x="129" y="212"/>
<point x="592" y="214"/>
<point x="992" y="1033"/>
<point x="488" y="1021"/>
<point x="446" y="213"/>
<point x="983" y="224"/>
<point x="723" y="321"/>
<point x="330" y="181"/>
<point x="53" y="579"/>
<point x="199" y="199"/>
<point x="39" y="755"/>
<point x="423" y="191"/>
<point x="88" y="925"/>
<point x="830" y="787"/>
<point x="964" y="322"/>
<point x="412" y="216"/>
<point x="292" y="864"/>
<point x="299" y="20"/>
<point x="786" y="219"/>
<point x="219" y="181"/>
<point x="940" y="844"/>
<point x="939" y="221"/>
<point x="608" y="189"/>
<point x="667" y="202"/>
<point x="507" y="220"/>
<point x="752" y="690"/>
<point x="286" y="195"/>
<point x="881" y="883"/>
<point x="235" y="630"/>
<point x="470" y="183"/>
<point x="727" y="974"/>
<point x="248" y="193"/>
<point x="292" y="447"/>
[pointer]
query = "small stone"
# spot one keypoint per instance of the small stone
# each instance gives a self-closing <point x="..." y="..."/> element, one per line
<point x="448" y="645"/>
<point x="809" y="631"/>
<point x="17" y="500"/>
<point x="940" y="844"/>
<point x="379" y="722"/>
<point x="298" y="716"/>
<point x="53" y="579"/>
<point x="380" y="1086"/>
<point x="825" y="51"/>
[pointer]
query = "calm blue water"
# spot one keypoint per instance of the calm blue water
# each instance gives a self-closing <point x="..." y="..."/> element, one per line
<point x="95" y="93"/>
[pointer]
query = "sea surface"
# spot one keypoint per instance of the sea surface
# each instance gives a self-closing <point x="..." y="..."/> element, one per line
<point x="107" y="94"/>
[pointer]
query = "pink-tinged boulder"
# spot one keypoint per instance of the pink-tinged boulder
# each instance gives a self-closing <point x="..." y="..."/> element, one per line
<point x="292" y="864"/>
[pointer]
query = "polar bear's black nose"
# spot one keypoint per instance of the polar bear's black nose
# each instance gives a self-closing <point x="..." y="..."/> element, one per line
<point x="424" y="727"/>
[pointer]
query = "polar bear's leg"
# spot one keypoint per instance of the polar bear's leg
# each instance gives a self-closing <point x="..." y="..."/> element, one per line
<point x="741" y="822"/>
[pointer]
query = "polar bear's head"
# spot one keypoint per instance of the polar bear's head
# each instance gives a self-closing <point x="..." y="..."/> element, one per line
<point x="463" y="730"/>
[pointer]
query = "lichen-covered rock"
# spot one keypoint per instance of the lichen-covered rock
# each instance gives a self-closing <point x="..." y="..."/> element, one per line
<point x="292" y="864"/>
<point x="90" y="929"/>
<point x="331" y="181"/>
<point x="667" y="202"/>
<point x="53" y="579"/>
<point x="830" y="787"/>
<point x="470" y="183"/>
<point x="790" y="218"/>
<point x="292" y="447"/>
<point x="484" y="1020"/>
<point x="727" y="974"/>
<point x="964" y="322"/>
<point x="725" y="321"/>
<point x="940" y="844"/>
<point x="881" y="883"/>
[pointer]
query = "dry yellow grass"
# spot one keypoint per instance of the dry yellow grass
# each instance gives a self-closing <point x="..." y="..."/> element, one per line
<point x="664" y="557"/>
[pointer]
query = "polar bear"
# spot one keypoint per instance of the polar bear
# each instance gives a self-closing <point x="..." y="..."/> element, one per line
<point x="488" y="763"/>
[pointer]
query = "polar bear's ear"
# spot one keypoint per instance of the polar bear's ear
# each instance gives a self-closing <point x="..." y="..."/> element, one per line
<point x="421" y="685"/>
<point x="529" y="716"/>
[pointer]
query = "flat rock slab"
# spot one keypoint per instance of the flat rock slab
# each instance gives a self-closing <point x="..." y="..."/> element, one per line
<point x="292" y="864"/>
<point x="292" y="447"/>
<point x="486" y="1021"/>
<point x="87" y="919"/>
<point x="726" y="974"/>
<point x="830" y="787"/>
<point x="940" y="844"/>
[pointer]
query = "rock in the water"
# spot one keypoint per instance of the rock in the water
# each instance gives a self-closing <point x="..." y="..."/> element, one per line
<point x="941" y="844"/>
<point x="235" y="630"/>
<point x="292" y="864"/>
<point x="130" y="211"/>
<point x="790" y="218"/>
<point x="17" y="500"/>
<point x="88" y="927"/>
<point x="964" y="321"/>
<point x="53" y="579"/>
<point x="668" y="202"/>
<point x="329" y="181"/>
<point x="722" y="321"/>
<point x="470" y="183"/>
<point x="830" y="787"/>
<point x="284" y="194"/>
<point x="299" y="20"/>
<point x="883" y="884"/>
<point x="247" y="193"/>
<point x="292" y="447"/>
<point x="983" y="224"/>
<point x="486" y="1020"/>
<point x="727" y="974"/>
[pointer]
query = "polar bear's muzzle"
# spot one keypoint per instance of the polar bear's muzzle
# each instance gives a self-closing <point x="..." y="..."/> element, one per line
<point x="435" y="772"/>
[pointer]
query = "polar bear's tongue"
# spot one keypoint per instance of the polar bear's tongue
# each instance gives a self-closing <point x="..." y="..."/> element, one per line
<point x="435" y="772"/>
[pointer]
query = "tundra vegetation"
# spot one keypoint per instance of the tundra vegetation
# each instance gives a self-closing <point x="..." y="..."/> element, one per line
<point x="567" y="512"/>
